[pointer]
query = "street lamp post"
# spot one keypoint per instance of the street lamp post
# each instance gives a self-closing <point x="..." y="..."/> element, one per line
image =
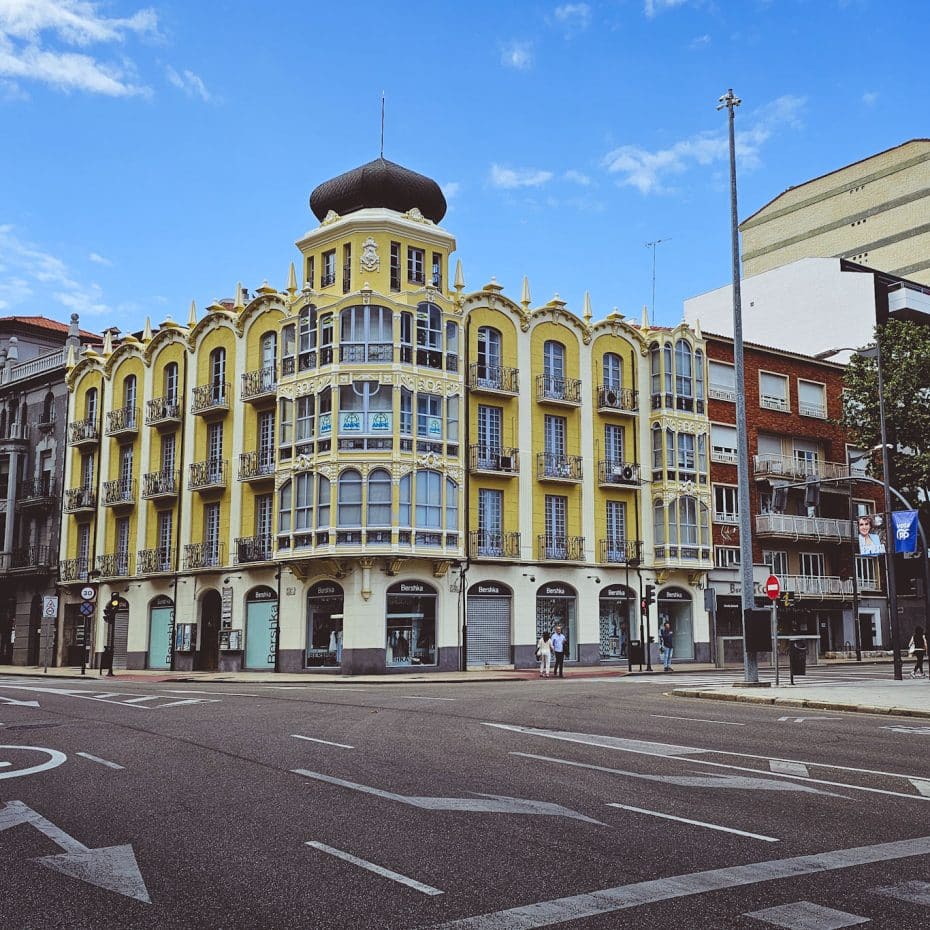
<point x="750" y="664"/>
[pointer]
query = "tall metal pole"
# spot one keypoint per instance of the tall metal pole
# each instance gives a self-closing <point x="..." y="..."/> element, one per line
<point x="652" y="245"/>
<point x="750" y="663"/>
<point x="889" y="537"/>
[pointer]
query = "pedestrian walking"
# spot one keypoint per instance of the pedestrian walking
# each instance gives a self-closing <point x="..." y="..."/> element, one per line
<point x="106" y="660"/>
<point x="558" y="650"/>
<point x="544" y="654"/>
<point x="918" y="649"/>
<point x="666" y="646"/>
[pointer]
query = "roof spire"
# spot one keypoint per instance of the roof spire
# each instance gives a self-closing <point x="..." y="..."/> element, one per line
<point x="526" y="299"/>
<point x="192" y="316"/>
<point x="587" y="307"/>
<point x="147" y="332"/>
<point x="459" y="276"/>
<point x="645" y="324"/>
<point x="238" y="304"/>
<point x="292" y="281"/>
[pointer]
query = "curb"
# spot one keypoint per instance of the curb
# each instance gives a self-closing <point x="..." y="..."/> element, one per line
<point x="802" y="702"/>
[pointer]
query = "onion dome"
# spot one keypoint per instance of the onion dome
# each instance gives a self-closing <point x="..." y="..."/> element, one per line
<point x="380" y="183"/>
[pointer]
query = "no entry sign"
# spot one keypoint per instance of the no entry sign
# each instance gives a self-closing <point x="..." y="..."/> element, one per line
<point x="772" y="587"/>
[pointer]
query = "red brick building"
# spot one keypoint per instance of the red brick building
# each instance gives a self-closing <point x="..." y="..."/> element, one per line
<point x="808" y="539"/>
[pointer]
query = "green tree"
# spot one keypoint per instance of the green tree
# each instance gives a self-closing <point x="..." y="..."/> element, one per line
<point x="906" y="375"/>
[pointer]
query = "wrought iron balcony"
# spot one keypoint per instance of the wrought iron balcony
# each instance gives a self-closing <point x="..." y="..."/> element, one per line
<point x="493" y="460"/>
<point x="160" y="485"/>
<point x="83" y="433"/>
<point x="562" y="548"/>
<point x="785" y="466"/>
<point x="204" y="555"/>
<point x="32" y="558"/>
<point x="210" y="400"/>
<point x="162" y="411"/>
<point x="72" y="570"/>
<point x="114" y="565"/>
<point x="366" y="353"/>
<point x="124" y="421"/>
<point x="551" y="467"/>
<point x="80" y="500"/>
<point x="207" y="476"/>
<point x="485" y="545"/>
<point x="15" y="432"/>
<point x="155" y="561"/>
<point x="825" y="528"/>
<point x="615" y="472"/>
<point x="121" y="492"/>
<point x="493" y="379"/>
<point x="260" y="385"/>
<point x="37" y="492"/>
<point x="256" y="466"/>
<point x="817" y="585"/>
<point x="254" y="549"/>
<point x="551" y="390"/>
<point x="614" y="399"/>
<point x="621" y="551"/>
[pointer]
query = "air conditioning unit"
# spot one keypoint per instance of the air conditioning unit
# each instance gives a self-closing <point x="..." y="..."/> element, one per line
<point x="610" y="398"/>
<point x="506" y="463"/>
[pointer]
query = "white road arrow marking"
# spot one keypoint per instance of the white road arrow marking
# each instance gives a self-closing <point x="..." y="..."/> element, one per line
<point x="55" y="758"/>
<point x="804" y="719"/>
<point x="482" y="804"/>
<point x="918" y="731"/>
<point x="922" y="785"/>
<point x="113" y="868"/>
<point x="784" y="767"/>
<point x="16" y="703"/>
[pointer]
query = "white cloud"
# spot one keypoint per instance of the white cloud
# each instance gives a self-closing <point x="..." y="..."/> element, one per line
<point x="700" y="41"/>
<point x="577" y="177"/>
<point x="518" y="55"/>
<point x="648" y="171"/>
<point x="870" y="98"/>
<point x="573" y="17"/>
<point x="652" y="7"/>
<point x="37" y="38"/>
<point x="98" y="259"/>
<point x="451" y="189"/>
<point x="510" y="178"/>
<point x="190" y="83"/>
<point x="28" y="274"/>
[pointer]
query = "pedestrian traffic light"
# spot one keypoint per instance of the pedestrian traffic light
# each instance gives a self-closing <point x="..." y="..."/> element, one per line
<point x="650" y="594"/>
<point x="109" y="611"/>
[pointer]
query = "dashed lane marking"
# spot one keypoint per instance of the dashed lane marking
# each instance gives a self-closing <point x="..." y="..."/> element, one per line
<point x="106" y="762"/>
<point x="377" y="869"/>
<point x="325" y="742"/>
<point x="696" y="823"/>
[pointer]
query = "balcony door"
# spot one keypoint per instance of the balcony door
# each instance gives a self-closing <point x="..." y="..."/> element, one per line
<point x="556" y="526"/>
<point x="490" y="428"/>
<point x="490" y="522"/>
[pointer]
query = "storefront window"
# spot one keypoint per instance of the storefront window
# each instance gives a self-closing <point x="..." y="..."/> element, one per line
<point x="617" y="603"/>
<point x="675" y="606"/>
<point x="324" y="625"/>
<point x="411" y="624"/>
<point x="556" y="604"/>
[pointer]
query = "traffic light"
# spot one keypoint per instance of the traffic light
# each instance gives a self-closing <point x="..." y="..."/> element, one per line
<point x="650" y="594"/>
<point x="109" y="611"/>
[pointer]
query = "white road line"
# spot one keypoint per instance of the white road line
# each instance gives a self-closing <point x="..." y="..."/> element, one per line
<point x="377" y="869"/>
<point x="217" y="693"/>
<point x="727" y="723"/>
<point x="922" y="785"/>
<point x="611" y="900"/>
<point x="140" y="700"/>
<point x="805" y="915"/>
<point x="788" y="768"/>
<point x="696" y="823"/>
<point x="111" y="765"/>
<point x="422" y="697"/>
<point x="325" y="742"/>
<point x="191" y="701"/>
<point x="914" y="892"/>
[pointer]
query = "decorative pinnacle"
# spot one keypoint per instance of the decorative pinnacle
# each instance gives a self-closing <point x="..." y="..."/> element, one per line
<point x="292" y="281"/>
<point x="587" y="308"/>
<point x="459" y="277"/>
<point x="192" y="316"/>
<point x="147" y="332"/>
<point x="645" y="324"/>
<point x="525" y="298"/>
<point x="108" y="343"/>
<point x="238" y="304"/>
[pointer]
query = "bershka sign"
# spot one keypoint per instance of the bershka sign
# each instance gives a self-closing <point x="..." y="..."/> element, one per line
<point x="673" y="594"/>
<point x="618" y="591"/>
<point x="324" y="589"/>
<point x="489" y="589"/>
<point x="410" y="587"/>
<point x="556" y="589"/>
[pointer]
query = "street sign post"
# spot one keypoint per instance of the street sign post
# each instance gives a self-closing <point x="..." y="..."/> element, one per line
<point x="88" y="593"/>
<point x="772" y="587"/>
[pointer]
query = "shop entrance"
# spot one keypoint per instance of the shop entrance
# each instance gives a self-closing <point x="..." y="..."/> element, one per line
<point x="324" y="625"/>
<point x="617" y="603"/>
<point x="488" y="615"/>
<point x="556" y="604"/>
<point x="161" y="622"/>
<point x="261" y="628"/>
<point x="206" y="658"/>
<point x="675" y="606"/>
<point x="411" y="624"/>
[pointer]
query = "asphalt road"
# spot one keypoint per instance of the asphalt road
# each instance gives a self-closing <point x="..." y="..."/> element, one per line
<point x="584" y="804"/>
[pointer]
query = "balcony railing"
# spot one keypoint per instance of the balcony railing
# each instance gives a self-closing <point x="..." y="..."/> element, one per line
<point x="160" y="484"/>
<point x="71" y="570"/>
<point x="785" y="466"/>
<point x="78" y="499"/>
<point x="721" y="392"/>
<point x="363" y="353"/>
<point x="564" y="548"/>
<point x="120" y="492"/>
<point x="204" y="555"/>
<point x="254" y="549"/>
<point x="83" y="433"/>
<point x="827" y="528"/>
<point x="685" y="555"/>
<point x="491" y="459"/>
<point x="155" y="561"/>
<point x="32" y="558"/>
<point x="211" y="398"/>
<point x="485" y="545"/>
<point x="15" y="432"/>
<point x="621" y="551"/>
<point x="162" y="411"/>
<point x="259" y="384"/>
<point x="817" y="411"/>
<point x="36" y="492"/>
<point x="613" y="471"/>
<point x="124" y="421"/>
<point x="493" y="378"/>
<point x="613" y="398"/>
<point x="558" y="390"/>
<point x="114" y="565"/>
<point x="551" y="467"/>
<point x="254" y="466"/>
<point x="817" y="585"/>
<point x="204" y="476"/>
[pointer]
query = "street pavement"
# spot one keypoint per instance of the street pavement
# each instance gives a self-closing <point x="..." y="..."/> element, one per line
<point x="593" y="802"/>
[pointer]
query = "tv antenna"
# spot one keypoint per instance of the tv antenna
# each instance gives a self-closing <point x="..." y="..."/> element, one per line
<point x="382" y="124"/>
<point x="652" y="245"/>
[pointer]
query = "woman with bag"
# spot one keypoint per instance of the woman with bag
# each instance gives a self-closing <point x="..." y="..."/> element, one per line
<point x="544" y="654"/>
<point x="918" y="649"/>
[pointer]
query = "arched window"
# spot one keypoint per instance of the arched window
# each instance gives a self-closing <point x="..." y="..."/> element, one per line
<point x="349" y="503"/>
<point x="656" y="452"/>
<point x="322" y="508"/>
<point x="48" y="408"/>
<point x="218" y="376"/>
<point x="554" y="360"/>
<point x="699" y="379"/>
<point x="269" y="350"/>
<point x="658" y="522"/>
<point x="490" y="352"/>
<point x="306" y="338"/>
<point x="684" y="374"/>
<point x="403" y="508"/>
<point x="129" y="392"/>
<point x="303" y="502"/>
<point x="429" y="499"/>
<point x="613" y="372"/>
<point x="667" y="371"/>
<point x="366" y="334"/>
<point x="171" y="383"/>
<point x="288" y="348"/>
<point x="90" y="405"/>
<point x="655" y="375"/>
<point x="285" y="502"/>
<point x="379" y="498"/>
<point x="452" y="506"/>
<point x="429" y="335"/>
<point x="452" y="346"/>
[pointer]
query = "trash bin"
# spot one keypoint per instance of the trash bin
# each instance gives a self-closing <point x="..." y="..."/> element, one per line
<point x="797" y="657"/>
<point x="637" y="656"/>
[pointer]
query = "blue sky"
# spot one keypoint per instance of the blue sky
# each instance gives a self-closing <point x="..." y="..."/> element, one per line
<point x="155" y="154"/>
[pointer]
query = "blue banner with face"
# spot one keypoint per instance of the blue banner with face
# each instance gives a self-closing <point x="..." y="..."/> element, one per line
<point x="904" y="524"/>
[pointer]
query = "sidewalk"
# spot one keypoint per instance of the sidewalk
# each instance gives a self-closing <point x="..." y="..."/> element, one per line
<point x="907" y="698"/>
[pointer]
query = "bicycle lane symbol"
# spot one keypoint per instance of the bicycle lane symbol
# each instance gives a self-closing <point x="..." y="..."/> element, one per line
<point x="53" y="759"/>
